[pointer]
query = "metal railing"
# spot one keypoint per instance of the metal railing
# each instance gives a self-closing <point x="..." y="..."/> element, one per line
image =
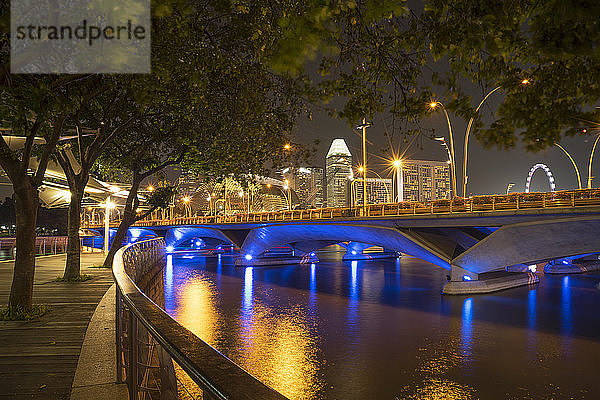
<point x="44" y="245"/>
<point x="475" y="204"/>
<point x="151" y="345"/>
<point x="490" y="203"/>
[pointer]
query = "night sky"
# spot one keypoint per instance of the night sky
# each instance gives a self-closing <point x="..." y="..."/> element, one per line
<point x="489" y="170"/>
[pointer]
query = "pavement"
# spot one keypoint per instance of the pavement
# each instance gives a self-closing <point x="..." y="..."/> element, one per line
<point x="39" y="358"/>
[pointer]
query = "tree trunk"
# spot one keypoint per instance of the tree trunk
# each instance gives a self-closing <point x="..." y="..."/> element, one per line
<point x="26" y="207"/>
<point x="72" y="269"/>
<point x="129" y="215"/>
<point x="117" y="241"/>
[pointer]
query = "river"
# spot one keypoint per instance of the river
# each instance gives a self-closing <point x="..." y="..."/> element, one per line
<point x="381" y="329"/>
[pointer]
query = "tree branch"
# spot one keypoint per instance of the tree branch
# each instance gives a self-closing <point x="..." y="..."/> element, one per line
<point x="48" y="150"/>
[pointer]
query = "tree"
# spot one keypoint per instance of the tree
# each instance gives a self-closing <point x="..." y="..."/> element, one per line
<point x="555" y="45"/>
<point x="103" y="105"/>
<point x="34" y="109"/>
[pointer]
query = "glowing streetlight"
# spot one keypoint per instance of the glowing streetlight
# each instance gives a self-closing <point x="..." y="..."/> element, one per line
<point x="150" y="188"/>
<point x="287" y="146"/>
<point x="268" y="186"/>
<point x="399" y="180"/>
<point x="525" y="81"/>
<point x="186" y="206"/>
<point x="433" y="105"/>
<point x="108" y="205"/>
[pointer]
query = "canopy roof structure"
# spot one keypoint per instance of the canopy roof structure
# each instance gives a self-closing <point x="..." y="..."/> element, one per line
<point x="54" y="192"/>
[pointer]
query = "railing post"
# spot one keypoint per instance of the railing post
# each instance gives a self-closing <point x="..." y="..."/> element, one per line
<point x="573" y="199"/>
<point x="132" y="373"/>
<point x="517" y="202"/>
<point x="493" y="203"/>
<point x="118" y="332"/>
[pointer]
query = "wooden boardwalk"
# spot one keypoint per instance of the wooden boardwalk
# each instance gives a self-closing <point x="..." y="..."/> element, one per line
<point x="38" y="358"/>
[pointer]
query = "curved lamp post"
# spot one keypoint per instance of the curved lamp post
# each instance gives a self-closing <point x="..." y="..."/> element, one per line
<point x="589" y="185"/>
<point x="433" y="105"/>
<point x="467" y="134"/>
<point x="572" y="162"/>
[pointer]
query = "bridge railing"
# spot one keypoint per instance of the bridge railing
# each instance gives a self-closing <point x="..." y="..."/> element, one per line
<point x="516" y="201"/>
<point x="149" y="341"/>
<point x="485" y="203"/>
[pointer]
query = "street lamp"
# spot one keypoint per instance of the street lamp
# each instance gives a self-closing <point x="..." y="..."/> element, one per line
<point x="108" y="205"/>
<point x="572" y="162"/>
<point x="364" y="127"/>
<point x="468" y="133"/>
<point x="510" y="185"/>
<point x="399" y="180"/>
<point x="445" y="145"/>
<point x="589" y="185"/>
<point x="286" y="187"/>
<point x="209" y="199"/>
<point x="186" y="205"/>
<point x="434" y="105"/>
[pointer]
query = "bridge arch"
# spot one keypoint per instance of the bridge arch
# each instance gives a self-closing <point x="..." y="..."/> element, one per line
<point x="178" y="235"/>
<point x="548" y="174"/>
<point x="310" y="237"/>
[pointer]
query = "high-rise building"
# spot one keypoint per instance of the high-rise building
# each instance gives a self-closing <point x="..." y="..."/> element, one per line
<point x="338" y="170"/>
<point x="378" y="191"/>
<point x="308" y="185"/>
<point x="425" y="180"/>
<point x="188" y="181"/>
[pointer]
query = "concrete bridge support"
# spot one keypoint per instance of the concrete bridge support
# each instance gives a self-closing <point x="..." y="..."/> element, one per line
<point x="355" y="251"/>
<point x="465" y="282"/>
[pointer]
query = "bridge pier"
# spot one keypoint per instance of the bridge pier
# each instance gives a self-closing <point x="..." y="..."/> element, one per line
<point x="247" y="260"/>
<point x="466" y="282"/>
<point x="355" y="251"/>
<point x="570" y="266"/>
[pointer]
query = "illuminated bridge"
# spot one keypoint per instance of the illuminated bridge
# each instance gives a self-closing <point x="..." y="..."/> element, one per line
<point x="473" y="238"/>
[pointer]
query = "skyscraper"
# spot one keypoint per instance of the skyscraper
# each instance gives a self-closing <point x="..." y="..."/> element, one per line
<point x="425" y="180"/>
<point x="308" y="185"/>
<point x="338" y="169"/>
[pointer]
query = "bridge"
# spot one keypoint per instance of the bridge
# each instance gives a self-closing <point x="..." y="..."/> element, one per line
<point x="474" y="239"/>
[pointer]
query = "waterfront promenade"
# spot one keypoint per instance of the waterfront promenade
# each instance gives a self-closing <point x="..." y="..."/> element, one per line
<point x="38" y="358"/>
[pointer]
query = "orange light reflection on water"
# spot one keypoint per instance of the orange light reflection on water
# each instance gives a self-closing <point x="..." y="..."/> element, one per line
<point x="277" y="345"/>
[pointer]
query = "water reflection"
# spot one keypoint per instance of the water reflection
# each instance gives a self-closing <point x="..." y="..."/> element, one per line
<point x="381" y="329"/>
<point x="467" y="328"/>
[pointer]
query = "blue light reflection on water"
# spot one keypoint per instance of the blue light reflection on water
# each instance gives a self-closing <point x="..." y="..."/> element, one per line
<point x="467" y="328"/>
<point x="352" y="312"/>
<point x="355" y="309"/>
<point x="247" y="295"/>
<point x="169" y="284"/>
<point x="566" y="320"/>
